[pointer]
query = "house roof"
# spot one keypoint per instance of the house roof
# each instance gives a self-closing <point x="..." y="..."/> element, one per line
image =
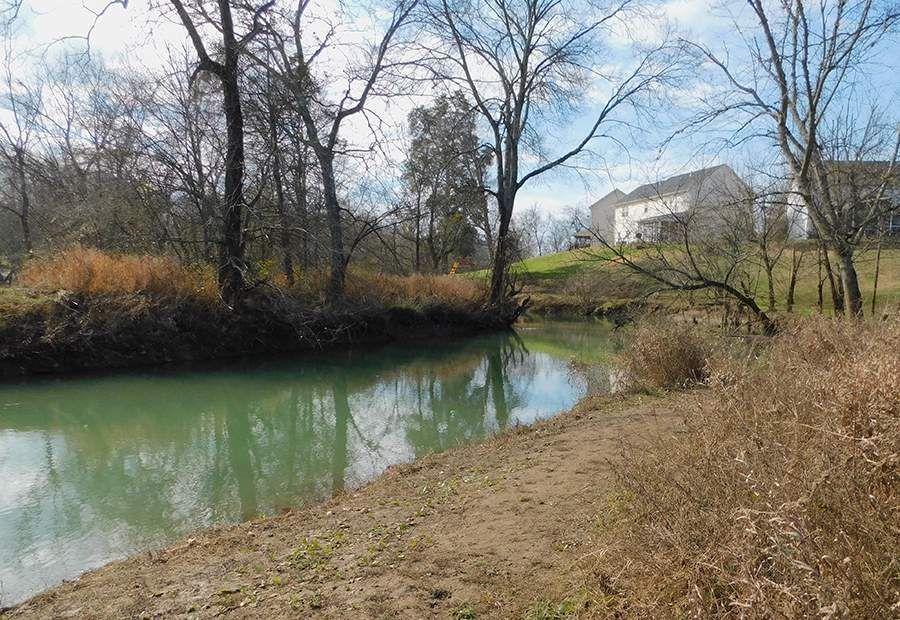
<point x="678" y="184"/>
<point x="609" y="200"/>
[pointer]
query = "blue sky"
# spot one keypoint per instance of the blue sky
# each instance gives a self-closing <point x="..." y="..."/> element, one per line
<point x="138" y="36"/>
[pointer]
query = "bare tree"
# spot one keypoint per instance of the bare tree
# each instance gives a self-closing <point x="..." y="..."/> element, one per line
<point x="534" y="227"/>
<point x="294" y="55"/>
<point x="9" y="10"/>
<point x="699" y="240"/>
<point x="803" y="59"/>
<point x="185" y="149"/>
<point x="22" y="102"/>
<point x="768" y="203"/>
<point x="526" y="62"/>
<point x="797" y="254"/>
<point x="231" y="256"/>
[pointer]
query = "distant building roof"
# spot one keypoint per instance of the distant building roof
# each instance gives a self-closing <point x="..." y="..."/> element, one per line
<point x="610" y="199"/>
<point x="678" y="184"/>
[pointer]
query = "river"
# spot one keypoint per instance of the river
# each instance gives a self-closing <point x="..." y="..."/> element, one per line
<point x="98" y="467"/>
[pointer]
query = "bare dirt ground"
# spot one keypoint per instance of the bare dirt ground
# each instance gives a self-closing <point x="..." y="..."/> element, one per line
<point x="492" y="530"/>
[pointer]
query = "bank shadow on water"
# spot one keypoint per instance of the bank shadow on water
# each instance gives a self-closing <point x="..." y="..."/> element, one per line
<point x="94" y="468"/>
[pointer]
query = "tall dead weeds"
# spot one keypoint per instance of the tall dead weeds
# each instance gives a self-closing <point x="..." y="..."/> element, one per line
<point x="781" y="500"/>
<point x="90" y="271"/>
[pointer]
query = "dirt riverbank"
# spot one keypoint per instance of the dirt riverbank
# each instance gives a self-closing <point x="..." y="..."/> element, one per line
<point x="491" y="530"/>
<point x="70" y="333"/>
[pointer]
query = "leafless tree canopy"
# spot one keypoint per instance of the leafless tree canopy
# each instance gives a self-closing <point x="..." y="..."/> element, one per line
<point x="797" y="84"/>
<point x="268" y="143"/>
<point x="527" y="63"/>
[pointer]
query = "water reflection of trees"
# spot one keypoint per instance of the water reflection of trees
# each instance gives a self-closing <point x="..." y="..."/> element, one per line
<point x="465" y="402"/>
<point x="127" y="462"/>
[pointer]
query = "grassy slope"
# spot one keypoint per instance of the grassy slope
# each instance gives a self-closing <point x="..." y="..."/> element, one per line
<point x="15" y="301"/>
<point x="561" y="276"/>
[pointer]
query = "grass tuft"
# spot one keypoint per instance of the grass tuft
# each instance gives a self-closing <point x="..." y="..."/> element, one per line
<point x="375" y="289"/>
<point x="664" y="355"/>
<point x="93" y="272"/>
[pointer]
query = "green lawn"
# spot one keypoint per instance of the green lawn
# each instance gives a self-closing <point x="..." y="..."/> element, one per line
<point x="553" y="269"/>
<point x="568" y="276"/>
<point x="16" y="301"/>
<point x="806" y="293"/>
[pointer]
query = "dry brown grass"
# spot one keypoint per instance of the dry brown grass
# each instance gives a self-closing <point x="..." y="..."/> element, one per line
<point x="375" y="289"/>
<point x="782" y="499"/>
<point x="90" y="271"/>
<point x="664" y="355"/>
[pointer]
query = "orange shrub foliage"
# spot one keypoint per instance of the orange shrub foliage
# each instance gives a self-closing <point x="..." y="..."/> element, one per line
<point x="91" y="271"/>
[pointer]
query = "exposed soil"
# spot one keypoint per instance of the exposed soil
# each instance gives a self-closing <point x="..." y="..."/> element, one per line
<point x="489" y="530"/>
<point x="79" y="332"/>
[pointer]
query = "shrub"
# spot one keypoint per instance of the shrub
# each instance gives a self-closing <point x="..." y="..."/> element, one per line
<point x="91" y="271"/>
<point x="592" y="287"/>
<point x="663" y="355"/>
<point x="781" y="499"/>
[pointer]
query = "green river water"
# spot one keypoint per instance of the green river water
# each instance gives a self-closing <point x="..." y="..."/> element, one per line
<point x="95" y="468"/>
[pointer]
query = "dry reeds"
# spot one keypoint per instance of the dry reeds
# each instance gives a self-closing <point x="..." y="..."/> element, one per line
<point x="663" y="355"/>
<point x="91" y="271"/>
<point x="782" y="499"/>
<point x="416" y="289"/>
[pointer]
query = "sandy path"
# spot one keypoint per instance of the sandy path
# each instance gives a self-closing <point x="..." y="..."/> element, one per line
<point x="485" y="530"/>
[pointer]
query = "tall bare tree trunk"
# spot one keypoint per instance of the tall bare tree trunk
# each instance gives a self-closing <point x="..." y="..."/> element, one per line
<point x="231" y="265"/>
<point x="300" y="195"/>
<point x="850" y="283"/>
<point x="820" y="281"/>
<point x="418" y="238"/>
<point x="25" y="207"/>
<point x="287" y="264"/>
<point x="770" y="280"/>
<point x="231" y="255"/>
<point x="796" y="260"/>
<point x="501" y="254"/>
<point x="338" y="262"/>
<point x="837" y="295"/>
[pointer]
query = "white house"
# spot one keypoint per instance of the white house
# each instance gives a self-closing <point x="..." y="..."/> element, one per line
<point x="603" y="220"/>
<point x="651" y="211"/>
<point x="855" y="183"/>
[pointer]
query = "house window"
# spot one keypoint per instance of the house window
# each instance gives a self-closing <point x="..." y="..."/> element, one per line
<point x="894" y="224"/>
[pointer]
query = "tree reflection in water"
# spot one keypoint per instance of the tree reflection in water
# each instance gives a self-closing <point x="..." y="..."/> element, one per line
<point x="109" y="465"/>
